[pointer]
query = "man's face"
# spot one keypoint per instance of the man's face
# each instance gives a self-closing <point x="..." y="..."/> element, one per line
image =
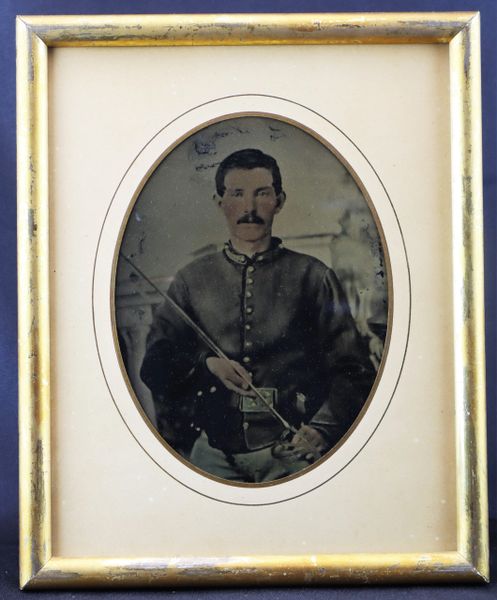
<point x="250" y="203"/>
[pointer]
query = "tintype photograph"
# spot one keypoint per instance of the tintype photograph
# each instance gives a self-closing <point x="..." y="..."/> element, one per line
<point x="251" y="300"/>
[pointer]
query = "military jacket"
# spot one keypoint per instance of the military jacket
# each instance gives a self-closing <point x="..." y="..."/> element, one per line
<point x="283" y="316"/>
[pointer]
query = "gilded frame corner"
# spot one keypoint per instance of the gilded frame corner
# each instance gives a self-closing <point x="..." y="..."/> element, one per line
<point x="38" y="567"/>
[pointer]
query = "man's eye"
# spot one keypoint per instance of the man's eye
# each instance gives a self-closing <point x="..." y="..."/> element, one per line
<point x="263" y="193"/>
<point x="236" y="194"/>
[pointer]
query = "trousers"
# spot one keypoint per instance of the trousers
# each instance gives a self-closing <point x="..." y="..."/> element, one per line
<point x="257" y="466"/>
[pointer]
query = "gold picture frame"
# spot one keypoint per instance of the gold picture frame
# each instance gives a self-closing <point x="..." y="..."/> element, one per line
<point x="39" y="566"/>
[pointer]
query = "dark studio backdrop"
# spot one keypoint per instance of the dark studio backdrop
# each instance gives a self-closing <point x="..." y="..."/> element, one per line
<point x="8" y="291"/>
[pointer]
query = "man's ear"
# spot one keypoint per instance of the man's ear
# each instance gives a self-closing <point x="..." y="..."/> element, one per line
<point x="280" y="199"/>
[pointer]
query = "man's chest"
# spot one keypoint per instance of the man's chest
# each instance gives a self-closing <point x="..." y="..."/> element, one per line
<point x="250" y="307"/>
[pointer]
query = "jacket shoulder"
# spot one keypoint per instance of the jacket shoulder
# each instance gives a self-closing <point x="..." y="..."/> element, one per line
<point x="306" y="262"/>
<point x="201" y="265"/>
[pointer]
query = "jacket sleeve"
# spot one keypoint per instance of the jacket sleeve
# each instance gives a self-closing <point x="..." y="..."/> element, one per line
<point x="348" y="368"/>
<point x="173" y="352"/>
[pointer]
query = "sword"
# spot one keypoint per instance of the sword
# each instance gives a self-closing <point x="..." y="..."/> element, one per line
<point x="210" y="343"/>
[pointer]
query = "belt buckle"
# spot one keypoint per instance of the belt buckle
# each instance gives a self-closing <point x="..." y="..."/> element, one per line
<point x="249" y="404"/>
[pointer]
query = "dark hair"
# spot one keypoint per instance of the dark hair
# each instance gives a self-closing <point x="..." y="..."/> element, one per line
<point x="249" y="158"/>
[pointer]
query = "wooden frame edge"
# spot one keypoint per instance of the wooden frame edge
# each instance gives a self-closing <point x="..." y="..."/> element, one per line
<point x="248" y="29"/>
<point x="38" y="569"/>
<point x="467" y="226"/>
<point x="33" y="292"/>
<point x="354" y="569"/>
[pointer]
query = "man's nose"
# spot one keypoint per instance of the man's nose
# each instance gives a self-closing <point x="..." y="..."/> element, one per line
<point x="249" y="203"/>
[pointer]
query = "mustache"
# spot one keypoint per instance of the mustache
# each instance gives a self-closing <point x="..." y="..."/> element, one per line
<point x="250" y="218"/>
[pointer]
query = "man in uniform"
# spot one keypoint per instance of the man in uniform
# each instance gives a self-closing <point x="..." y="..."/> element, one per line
<point x="282" y="320"/>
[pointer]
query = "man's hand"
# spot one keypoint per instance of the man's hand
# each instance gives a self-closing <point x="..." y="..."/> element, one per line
<point x="307" y="443"/>
<point x="231" y="374"/>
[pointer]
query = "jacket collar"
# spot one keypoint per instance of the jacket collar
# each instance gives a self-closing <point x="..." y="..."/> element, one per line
<point x="238" y="258"/>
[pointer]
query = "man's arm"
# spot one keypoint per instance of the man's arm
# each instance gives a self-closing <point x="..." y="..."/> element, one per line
<point x="346" y="360"/>
<point x="172" y="351"/>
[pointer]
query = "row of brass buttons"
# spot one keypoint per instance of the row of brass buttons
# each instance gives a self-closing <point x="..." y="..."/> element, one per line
<point x="249" y="310"/>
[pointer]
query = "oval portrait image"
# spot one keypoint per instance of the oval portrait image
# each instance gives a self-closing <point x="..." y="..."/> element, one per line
<point x="251" y="300"/>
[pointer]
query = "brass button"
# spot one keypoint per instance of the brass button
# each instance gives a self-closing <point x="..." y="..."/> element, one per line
<point x="248" y="326"/>
<point x="246" y="359"/>
<point x="245" y="425"/>
<point x="213" y="389"/>
<point x="248" y="344"/>
<point x="260" y="258"/>
<point x="250" y="310"/>
<point x="251" y="269"/>
<point x="250" y="281"/>
<point x="248" y="294"/>
<point x="199" y="393"/>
